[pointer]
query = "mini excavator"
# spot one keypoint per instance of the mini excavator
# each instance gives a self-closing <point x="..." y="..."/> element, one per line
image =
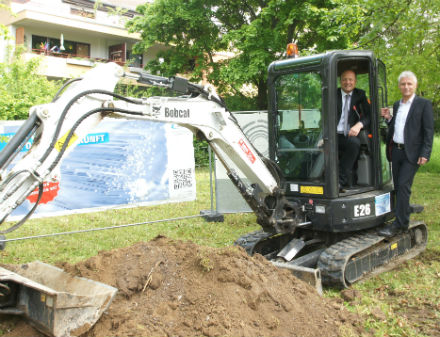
<point x="308" y="224"/>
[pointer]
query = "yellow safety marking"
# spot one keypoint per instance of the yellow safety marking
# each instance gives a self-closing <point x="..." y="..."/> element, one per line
<point x="394" y="246"/>
<point x="312" y="189"/>
<point x="59" y="144"/>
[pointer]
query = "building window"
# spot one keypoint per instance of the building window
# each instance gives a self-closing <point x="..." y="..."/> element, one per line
<point x="51" y="45"/>
<point x="83" y="49"/>
<point x="134" y="60"/>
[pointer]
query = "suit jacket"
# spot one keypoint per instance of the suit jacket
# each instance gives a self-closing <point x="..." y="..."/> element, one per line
<point x="418" y="132"/>
<point x="359" y="108"/>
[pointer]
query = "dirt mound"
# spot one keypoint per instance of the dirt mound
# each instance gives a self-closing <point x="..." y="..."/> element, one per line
<point x="174" y="288"/>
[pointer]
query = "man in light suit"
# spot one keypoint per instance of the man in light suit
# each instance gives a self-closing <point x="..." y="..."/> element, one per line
<point x="409" y="145"/>
<point x="353" y="116"/>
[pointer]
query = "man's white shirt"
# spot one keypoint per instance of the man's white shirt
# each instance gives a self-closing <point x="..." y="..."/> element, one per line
<point x="399" y="124"/>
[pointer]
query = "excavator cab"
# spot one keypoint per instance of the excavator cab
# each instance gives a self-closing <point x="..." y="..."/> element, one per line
<point x="337" y="244"/>
<point x="304" y="143"/>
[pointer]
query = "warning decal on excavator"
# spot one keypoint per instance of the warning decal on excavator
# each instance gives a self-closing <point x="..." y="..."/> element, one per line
<point x="50" y="191"/>
<point x="312" y="189"/>
<point x="246" y="150"/>
<point x="59" y="144"/>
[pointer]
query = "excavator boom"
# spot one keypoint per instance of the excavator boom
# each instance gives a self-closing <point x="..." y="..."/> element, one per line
<point x="57" y="127"/>
<point x="50" y="299"/>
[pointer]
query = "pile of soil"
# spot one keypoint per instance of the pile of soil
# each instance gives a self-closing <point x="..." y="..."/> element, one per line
<point x="175" y="288"/>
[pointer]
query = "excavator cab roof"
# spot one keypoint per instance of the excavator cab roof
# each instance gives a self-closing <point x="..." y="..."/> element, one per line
<point x="349" y="59"/>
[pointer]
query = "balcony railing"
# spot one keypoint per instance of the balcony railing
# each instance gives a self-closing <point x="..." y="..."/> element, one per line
<point x="81" y="57"/>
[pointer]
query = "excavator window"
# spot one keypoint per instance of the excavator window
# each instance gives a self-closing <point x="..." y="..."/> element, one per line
<point x="299" y="126"/>
<point x="362" y="174"/>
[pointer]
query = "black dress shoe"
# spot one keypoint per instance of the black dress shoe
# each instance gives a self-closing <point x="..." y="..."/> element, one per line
<point x="389" y="230"/>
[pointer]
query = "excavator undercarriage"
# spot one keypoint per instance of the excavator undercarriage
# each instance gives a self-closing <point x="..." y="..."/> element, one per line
<point x="338" y="261"/>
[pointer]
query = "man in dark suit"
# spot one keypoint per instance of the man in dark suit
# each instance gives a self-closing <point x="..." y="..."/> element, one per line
<point x="409" y="144"/>
<point x="353" y="116"/>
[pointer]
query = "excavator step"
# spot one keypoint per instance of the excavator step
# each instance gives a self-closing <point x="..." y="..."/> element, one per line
<point x="252" y="240"/>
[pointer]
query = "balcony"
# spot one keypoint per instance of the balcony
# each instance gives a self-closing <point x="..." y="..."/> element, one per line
<point x="68" y="15"/>
<point x="65" y="65"/>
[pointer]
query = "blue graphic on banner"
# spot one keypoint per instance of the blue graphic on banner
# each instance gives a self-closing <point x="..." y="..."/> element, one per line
<point x="124" y="162"/>
<point x="5" y="137"/>
<point x="95" y="138"/>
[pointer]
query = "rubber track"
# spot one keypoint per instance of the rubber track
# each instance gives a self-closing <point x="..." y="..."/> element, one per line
<point x="333" y="260"/>
<point x="250" y="240"/>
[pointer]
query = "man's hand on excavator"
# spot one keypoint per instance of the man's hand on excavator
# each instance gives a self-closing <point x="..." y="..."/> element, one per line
<point x="355" y="129"/>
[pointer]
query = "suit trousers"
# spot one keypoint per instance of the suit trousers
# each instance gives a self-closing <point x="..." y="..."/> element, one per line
<point x="403" y="177"/>
<point x="348" y="153"/>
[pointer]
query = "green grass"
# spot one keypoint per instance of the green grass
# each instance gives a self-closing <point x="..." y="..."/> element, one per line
<point x="75" y="247"/>
<point x="434" y="163"/>
<point x="408" y="296"/>
<point x="402" y="302"/>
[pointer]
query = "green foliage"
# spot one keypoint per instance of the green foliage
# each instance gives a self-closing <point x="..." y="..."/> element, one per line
<point x="241" y="103"/>
<point x="184" y="25"/>
<point x="436" y="124"/>
<point x="433" y="166"/>
<point x="404" y="34"/>
<point x="201" y="154"/>
<point x="204" y="260"/>
<point x="138" y="91"/>
<point x="255" y="32"/>
<point x="21" y="87"/>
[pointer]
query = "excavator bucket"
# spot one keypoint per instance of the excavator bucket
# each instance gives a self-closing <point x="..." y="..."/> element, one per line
<point x="53" y="301"/>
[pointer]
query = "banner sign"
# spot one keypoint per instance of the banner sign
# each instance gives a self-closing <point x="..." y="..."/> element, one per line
<point x="123" y="163"/>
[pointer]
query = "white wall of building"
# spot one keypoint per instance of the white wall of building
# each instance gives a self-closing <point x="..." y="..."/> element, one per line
<point x="51" y="18"/>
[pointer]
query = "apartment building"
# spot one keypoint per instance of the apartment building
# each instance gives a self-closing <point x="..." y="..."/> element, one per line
<point x="71" y="35"/>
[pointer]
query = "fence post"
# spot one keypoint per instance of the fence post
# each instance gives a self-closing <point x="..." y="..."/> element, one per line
<point x="211" y="215"/>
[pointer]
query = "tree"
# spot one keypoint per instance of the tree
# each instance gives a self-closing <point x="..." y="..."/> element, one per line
<point x="255" y="32"/>
<point x="404" y="34"/>
<point x="21" y="87"/>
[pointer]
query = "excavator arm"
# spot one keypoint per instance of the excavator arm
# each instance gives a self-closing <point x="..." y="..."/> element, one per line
<point x="60" y="125"/>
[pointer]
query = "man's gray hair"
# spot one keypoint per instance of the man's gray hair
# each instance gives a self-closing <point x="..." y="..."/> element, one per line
<point x="408" y="74"/>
